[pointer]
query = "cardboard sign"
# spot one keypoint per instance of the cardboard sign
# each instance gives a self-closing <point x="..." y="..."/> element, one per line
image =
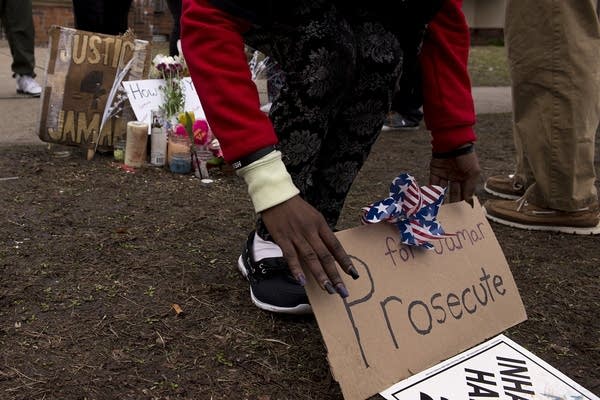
<point x="145" y="96"/>
<point x="412" y="308"/>
<point x="498" y="368"/>
<point x="81" y="71"/>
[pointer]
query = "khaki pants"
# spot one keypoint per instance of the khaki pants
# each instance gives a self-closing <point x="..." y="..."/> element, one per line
<point x="554" y="59"/>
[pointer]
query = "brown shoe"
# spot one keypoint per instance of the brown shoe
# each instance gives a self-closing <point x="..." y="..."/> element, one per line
<point x="524" y="215"/>
<point x="504" y="186"/>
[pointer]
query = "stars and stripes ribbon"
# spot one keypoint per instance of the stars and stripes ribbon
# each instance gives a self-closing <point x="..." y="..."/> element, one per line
<point x="412" y="209"/>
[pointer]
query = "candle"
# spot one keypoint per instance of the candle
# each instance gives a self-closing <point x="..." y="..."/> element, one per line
<point x="137" y="139"/>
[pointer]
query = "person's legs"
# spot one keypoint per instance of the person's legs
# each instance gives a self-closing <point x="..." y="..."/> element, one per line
<point x="405" y="112"/>
<point x="116" y="16"/>
<point x="554" y="53"/>
<point x="18" y="22"/>
<point x="319" y="60"/>
<point x="358" y="118"/>
<point x="175" y="9"/>
<point x="89" y="15"/>
<point x="330" y="110"/>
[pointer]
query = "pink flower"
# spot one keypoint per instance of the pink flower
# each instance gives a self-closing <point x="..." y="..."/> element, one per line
<point x="180" y="130"/>
<point x="201" y="132"/>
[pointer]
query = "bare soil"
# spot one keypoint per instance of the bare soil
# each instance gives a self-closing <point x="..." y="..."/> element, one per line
<point x="93" y="259"/>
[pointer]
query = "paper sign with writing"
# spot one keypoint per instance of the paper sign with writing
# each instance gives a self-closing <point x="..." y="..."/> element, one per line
<point x="82" y="68"/>
<point x="146" y="96"/>
<point x="496" y="369"/>
<point x="412" y="308"/>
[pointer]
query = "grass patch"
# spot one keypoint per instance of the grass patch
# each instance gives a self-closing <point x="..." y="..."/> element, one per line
<point x="488" y="66"/>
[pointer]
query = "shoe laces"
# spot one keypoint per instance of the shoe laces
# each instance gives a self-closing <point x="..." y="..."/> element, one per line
<point x="522" y="203"/>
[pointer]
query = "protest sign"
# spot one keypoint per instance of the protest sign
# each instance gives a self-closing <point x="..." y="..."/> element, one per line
<point x="145" y="96"/>
<point x="412" y="308"/>
<point x="80" y="85"/>
<point x="498" y="368"/>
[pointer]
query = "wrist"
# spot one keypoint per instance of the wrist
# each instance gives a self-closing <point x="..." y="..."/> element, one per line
<point x="269" y="182"/>
<point x="466" y="148"/>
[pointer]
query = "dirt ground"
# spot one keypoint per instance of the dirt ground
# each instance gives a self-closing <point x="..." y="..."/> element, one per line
<point x="93" y="258"/>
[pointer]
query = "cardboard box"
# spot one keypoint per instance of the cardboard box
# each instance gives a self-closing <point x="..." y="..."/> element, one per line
<point x="412" y="308"/>
<point x="81" y="71"/>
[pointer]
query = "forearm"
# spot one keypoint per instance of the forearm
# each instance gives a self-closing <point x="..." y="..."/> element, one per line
<point x="447" y="98"/>
<point x="214" y="51"/>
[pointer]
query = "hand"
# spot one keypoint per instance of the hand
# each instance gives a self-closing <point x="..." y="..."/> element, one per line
<point x="306" y="240"/>
<point x="460" y="174"/>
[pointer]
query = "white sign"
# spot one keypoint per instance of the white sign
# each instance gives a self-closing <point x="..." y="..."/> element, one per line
<point x="496" y="369"/>
<point x="146" y="96"/>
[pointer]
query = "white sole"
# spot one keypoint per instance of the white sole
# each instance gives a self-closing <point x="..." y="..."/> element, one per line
<point x="301" y="309"/>
<point x="387" y="128"/>
<point x="23" y="93"/>
<point x="498" y="194"/>
<point x="573" y="230"/>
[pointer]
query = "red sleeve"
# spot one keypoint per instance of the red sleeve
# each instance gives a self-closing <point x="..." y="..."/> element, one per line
<point x="447" y="99"/>
<point x="214" y="52"/>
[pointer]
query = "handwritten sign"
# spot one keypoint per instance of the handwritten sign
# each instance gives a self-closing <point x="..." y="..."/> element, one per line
<point x="146" y="96"/>
<point x="497" y="369"/>
<point x="412" y="308"/>
<point x="82" y="67"/>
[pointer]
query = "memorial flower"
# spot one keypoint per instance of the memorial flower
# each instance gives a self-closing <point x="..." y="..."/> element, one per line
<point x="205" y="149"/>
<point x="171" y="69"/>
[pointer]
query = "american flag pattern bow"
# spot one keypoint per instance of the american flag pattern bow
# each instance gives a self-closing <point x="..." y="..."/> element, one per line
<point x="412" y="209"/>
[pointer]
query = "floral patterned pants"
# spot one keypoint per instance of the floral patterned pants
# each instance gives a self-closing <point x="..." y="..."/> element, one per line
<point x="340" y="70"/>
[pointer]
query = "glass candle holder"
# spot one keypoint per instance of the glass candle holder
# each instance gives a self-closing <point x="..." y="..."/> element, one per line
<point x="119" y="150"/>
<point x="179" y="154"/>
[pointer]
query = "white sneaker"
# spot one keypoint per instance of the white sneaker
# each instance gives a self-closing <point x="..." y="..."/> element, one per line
<point x="27" y="85"/>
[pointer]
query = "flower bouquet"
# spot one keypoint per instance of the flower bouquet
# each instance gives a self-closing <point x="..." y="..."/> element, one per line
<point x="171" y="69"/>
<point x="205" y="149"/>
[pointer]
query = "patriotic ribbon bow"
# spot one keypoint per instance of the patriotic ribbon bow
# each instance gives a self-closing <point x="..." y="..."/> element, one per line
<point x="412" y="209"/>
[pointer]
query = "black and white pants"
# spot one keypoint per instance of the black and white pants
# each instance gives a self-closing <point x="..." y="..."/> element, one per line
<point x="340" y="69"/>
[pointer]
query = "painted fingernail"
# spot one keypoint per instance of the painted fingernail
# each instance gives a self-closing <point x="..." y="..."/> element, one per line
<point x="301" y="279"/>
<point x="353" y="272"/>
<point x="329" y="287"/>
<point x="342" y="291"/>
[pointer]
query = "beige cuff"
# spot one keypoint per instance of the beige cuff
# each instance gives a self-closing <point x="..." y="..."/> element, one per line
<point x="268" y="181"/>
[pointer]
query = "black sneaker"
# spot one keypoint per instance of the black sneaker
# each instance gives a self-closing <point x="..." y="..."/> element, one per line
<point x="272" y="287"/>
<point x="396" y="122"/>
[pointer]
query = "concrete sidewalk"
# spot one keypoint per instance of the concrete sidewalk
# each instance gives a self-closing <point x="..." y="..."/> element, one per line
<point x="19" y="117"/>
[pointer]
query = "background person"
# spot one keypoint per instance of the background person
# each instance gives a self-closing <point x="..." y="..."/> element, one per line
<point x="102" y="16"/>
<point x="442" y="89"/>
<point x="17" y="20"/>
<point x="175" y="9"/>
<point x="554" y="61"/>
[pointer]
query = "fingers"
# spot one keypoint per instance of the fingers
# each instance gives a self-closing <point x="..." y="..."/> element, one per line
<point x="338" y="252"/>
<point x="316" y="257"/>
<point x="468" y="190"/>
<point x="454" y="192"/>
<point x="308" y="244"/>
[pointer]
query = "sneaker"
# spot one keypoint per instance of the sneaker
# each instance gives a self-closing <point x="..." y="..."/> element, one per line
<point x="395" y="121"/>
<point x="27" y="85"/>
<point x="504" y="186"/>
<point x="524" y="215"/>
<point x="272" y="287"/>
